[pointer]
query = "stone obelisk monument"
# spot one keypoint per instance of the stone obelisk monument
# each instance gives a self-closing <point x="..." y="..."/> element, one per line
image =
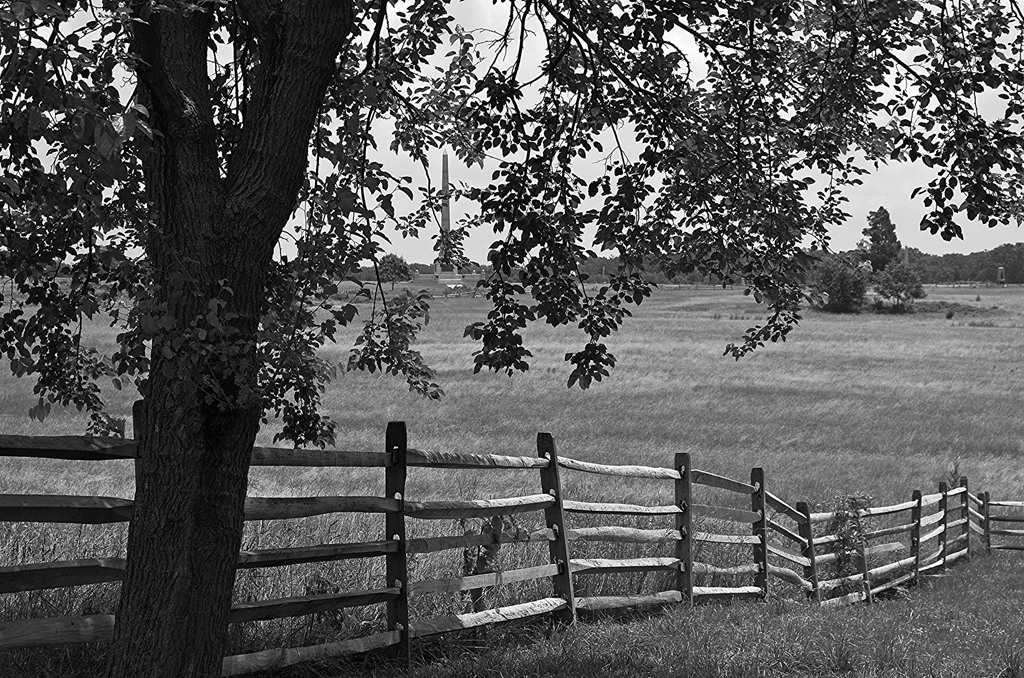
<point x="446" y="219"/>
<point x="446" y="206"/>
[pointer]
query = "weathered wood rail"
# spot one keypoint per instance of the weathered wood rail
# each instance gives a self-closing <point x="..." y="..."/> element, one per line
<point x="834" y="558"/>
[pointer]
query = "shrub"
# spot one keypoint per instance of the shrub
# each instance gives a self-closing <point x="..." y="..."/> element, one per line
<point x="849" y="548"/>
<point x="841" y="285"/>
<point x="901" y="283"/>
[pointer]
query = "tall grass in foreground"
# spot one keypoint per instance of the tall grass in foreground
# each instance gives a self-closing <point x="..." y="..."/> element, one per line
<point x="851" y="405"/>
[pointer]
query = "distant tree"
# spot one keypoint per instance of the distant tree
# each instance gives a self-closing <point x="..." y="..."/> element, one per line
<point x="901" y="283"/>
<point x="393" y="268"/>
<point x="882" y="246"/>
<point x="841" y="285"/>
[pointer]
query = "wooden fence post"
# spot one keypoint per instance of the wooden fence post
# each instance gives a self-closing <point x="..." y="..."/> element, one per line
<point x="760" y="530"/>
<point x="806" y="531"/>
<point x="138" y="426"/>
<point x="965" y="514"/>
<point x="554" y="515"/>
<point x="396" y="570"/>
<point x="915" y="534"/>
<point x="138" y="419"/>
<point x="944" y="508"/>
<point x="987" y="525"/>
<point x="684" y="523"/>
<point x="865" y="569"/>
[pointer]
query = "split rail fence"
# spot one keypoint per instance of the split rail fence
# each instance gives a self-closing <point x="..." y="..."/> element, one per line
<point x="834" y="558"/>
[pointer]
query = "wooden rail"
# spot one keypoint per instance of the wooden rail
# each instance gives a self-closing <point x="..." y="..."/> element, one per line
<point x="721" y="482"/>
<point x="608" y="566"/>
<point x="607" y="603"/>
<point x="791" y="512"/>
<point x="631" y="535"/>
<point x="38" y="576"/>
<point x="922" y="536"/>
<point x="476" y="508"/>
<point x="77" y="448"/>
<point x="619" y="509"/>
<point x="625" y="471"/>
<point x="64" y="509"/>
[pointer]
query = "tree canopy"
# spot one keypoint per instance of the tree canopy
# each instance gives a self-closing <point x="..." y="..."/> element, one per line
<point x="159" y="153"/>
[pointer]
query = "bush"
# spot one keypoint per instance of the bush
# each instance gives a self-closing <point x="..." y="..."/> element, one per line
<point x="841" y="285"/>
<point x="901" y="283"/>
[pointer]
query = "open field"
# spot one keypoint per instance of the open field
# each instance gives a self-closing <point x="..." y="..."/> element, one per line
<point x="851" y="405"/>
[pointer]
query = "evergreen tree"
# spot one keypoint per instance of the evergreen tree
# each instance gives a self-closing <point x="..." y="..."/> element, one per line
<point x="882" y="246"/>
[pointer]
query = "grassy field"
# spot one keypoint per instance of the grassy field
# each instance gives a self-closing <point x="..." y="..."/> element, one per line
<point x="872" y="404"/>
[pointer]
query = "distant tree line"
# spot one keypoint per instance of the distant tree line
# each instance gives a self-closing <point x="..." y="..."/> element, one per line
<point x="600" y="269"/>
<point x="838" y="273"/>
<point x="595" y="270"/>
<point x="394" y="268"/>
<point x="974" y="267"/>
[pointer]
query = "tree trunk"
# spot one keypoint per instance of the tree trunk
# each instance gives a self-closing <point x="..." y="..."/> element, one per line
<point x="184" y="541"/>
<point x="210" y="248"/>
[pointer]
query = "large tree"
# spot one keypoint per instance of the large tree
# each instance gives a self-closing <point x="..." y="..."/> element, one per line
<point x="157" y="153"/>
<point x="881" y="246"/>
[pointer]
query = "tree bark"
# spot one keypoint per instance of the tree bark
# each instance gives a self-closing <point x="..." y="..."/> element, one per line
<point x="212" y="239"/>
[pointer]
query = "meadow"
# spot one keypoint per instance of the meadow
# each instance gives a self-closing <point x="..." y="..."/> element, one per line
<point x="869" y="405"/>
